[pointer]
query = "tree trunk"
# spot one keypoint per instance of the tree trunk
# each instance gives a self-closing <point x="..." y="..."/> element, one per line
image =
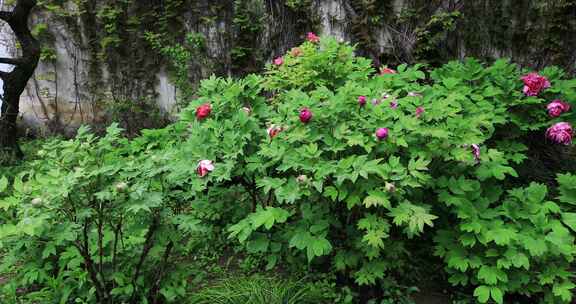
<point x="16" y="80"/>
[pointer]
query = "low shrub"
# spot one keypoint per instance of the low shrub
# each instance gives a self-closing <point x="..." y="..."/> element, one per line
<point x="317" y="166"/>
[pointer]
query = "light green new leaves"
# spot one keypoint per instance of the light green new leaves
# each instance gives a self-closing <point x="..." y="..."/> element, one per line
<point x="415" y="217"/>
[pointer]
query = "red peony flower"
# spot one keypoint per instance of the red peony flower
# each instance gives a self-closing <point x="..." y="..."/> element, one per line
<point x="203" y="111"/>
<point x="534" y="84"/>
<point x="204" y="166"/>
<point x="561" y="133"/>
<point x="557" y="107"/>
<point x="386" y="70"/>
<point x="273" y="131"/>
<point x="312" y="37"/>
<point x="305" y="115"/>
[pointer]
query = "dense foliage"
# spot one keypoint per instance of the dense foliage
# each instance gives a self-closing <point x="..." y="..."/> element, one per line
<point x="316" y="166"/>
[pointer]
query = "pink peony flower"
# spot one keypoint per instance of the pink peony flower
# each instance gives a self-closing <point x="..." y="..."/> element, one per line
<point x="560" y="133"/>
<point x="419" y="111"/>
<point x="382" y="133"/>
<point x="305" y="115"/>
<point x="394" y="104"/>
<point x="534" y="84"/>
<point x="476" y="152"/>
<point x="362" y="100"/>
<point x="296" y="52"/>
<point x="376" y="101"/>
<point x="302" y="179"/>
<point x="386" y="70"/>
<point x="312" y="37"/>
<point x="204" y="166"/>
<point x="278" y="61"/>
<point x="273" y="131"/>
<point x="557" y="107"/>
<point x="203" y="111"/>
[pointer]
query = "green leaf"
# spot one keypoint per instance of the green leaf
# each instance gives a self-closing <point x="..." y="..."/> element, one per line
<point x="567" y="188"/>
<point x="569" y="219"/>
<point x="376" y="199"/>
<point x="496" y="294"/>
<point x="536" y="247"/>
<point x="488" y="275"/>
<point x="269" y="217"/>
<point x="482" y="293"/>
<point x="3" y="184"/>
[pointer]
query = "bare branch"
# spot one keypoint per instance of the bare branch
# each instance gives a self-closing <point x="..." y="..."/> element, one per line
<point x="12" y="61"/>
<point x="6" y="16"/>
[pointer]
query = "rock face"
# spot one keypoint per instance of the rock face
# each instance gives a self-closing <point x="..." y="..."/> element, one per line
<point x="98" y="65"/>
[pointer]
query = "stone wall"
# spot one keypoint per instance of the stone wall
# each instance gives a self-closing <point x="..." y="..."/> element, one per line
<point x="78" y="85"/>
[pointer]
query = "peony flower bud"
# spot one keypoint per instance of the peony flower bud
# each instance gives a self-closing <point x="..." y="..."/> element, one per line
<point x="534" y="84"/>
<point x="305" y="115"/>
<point x="203" y="111"/>
<point x="121" y="187"/>
<point x="273" y="131"/>
<point x="296" y="52"/>
<point x="557" y="107"/>
<point x="204" y="166"/>
<point x="362" y="100"/>
<point x="37" y="202"/>
<point x="476" y="152"/>
<point x="394" y="104"/>
<point x="390" y="187"/>
<point x="302" y="179"/>
<point x="560" y="133"/>
<point x="386" y="70"/>
<point x="247" y="110"/>
<point x="382" y="133"/>
<point x="278" y="61"/>
<point x="419" y="111"/>
<point x="312" y="37"/>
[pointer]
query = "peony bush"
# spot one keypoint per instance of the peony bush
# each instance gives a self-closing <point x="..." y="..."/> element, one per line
<point x="296" y="169"/>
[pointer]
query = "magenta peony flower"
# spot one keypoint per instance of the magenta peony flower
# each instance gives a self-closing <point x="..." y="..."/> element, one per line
<point x="386" y="70"/>
<point x="204" y="166"/>
<point x="419" y="111"/>
<point x="557" y="107"/>
<point x="534" y="84"/>
<point x="279" y="61"/>
<point x="560" y="133"/>
<point x="476" y="152"/>
<point x="273" y="131"/>
<point x="312" y="37"/>
<point x="382" y="133"/>
<point x="362" y="101"/>
<point x="394" y="104"/>
<point x="203" y="111"/>
<point x="305" y="115"/>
